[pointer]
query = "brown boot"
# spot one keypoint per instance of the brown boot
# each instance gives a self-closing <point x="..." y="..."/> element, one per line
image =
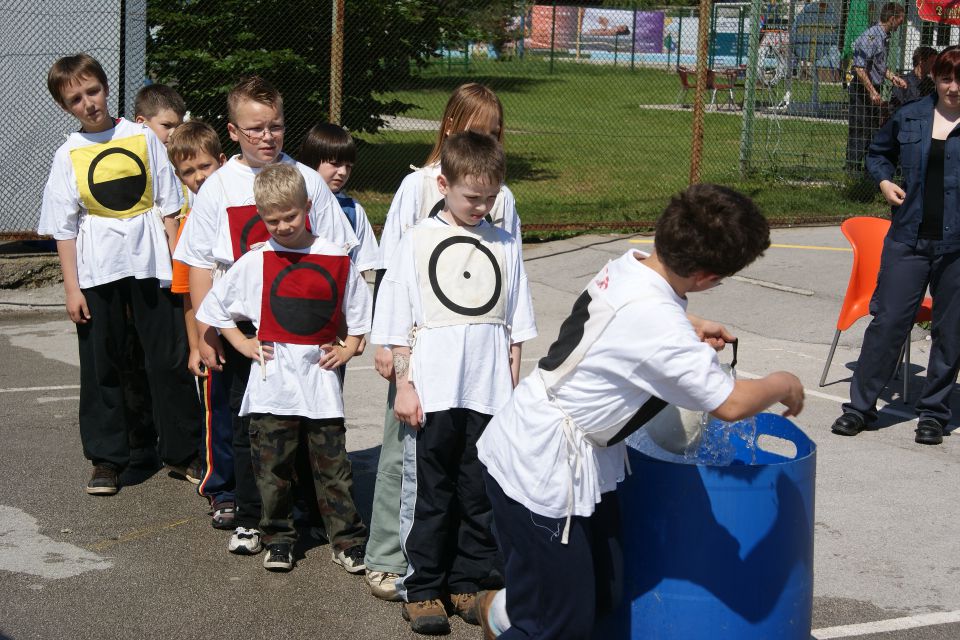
<point x="464" y="605"/>
<point x="427" y="617"/>
<point x="481" y="612"/>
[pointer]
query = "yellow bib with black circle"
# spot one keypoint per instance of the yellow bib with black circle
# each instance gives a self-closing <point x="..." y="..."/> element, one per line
<point x="114" y="178"/>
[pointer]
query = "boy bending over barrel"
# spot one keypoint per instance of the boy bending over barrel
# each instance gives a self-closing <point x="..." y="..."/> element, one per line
<point x="554" y="454"/>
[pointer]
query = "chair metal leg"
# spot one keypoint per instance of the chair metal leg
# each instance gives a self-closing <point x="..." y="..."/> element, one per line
<point x="826" y="367"/>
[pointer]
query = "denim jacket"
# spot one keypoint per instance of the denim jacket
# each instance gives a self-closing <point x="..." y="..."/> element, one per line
<point x="905" y="138"/>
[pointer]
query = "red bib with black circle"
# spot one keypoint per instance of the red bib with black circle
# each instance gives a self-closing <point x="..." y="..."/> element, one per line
<point x="302" y="297"/>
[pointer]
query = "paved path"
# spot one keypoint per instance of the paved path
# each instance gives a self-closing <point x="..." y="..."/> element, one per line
<point x="147" y="564"/>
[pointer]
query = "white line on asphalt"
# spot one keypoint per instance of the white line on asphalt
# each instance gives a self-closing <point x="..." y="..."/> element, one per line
<point x="883" y="626"/>
<point x="773" y="285"/>
<point x="25" y="389"/>
<point x="46" y="399"/>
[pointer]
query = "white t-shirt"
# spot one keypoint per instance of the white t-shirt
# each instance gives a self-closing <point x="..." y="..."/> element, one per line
<point x="366" y="255"/>
<point x="295" y="384"/>
<point x="408" y="208"/>
<point x="648" y="349"/>
<point x="95" y="177"/>
<point x="455" y="365"/>
<point x="206" y="237"/>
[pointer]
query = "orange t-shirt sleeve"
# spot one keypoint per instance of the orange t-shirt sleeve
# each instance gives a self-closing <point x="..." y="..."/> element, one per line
<point x="181" y="270"/>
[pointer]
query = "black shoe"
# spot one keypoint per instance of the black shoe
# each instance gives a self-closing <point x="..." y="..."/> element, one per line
<point x="929" y="432"/>
<point x="849" y="424"/>
<point x="279" y="557"/>
<point x="104" y="481"/>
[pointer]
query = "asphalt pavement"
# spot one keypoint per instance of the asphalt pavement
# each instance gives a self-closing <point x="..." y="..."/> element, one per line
<point x="147" y="564"/>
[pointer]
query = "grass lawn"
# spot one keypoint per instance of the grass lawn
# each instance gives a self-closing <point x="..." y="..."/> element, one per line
<point x="581" y="148"/>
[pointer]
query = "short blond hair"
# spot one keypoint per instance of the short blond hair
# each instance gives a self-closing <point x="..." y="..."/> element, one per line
<point x="254" y="89"/>
<point x="71" y="68"/>
<point x="279" y="186"/>
<point x="191" y="138"/>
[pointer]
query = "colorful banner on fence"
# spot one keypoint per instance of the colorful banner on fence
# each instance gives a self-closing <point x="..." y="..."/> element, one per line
<point x="942" y="11"/>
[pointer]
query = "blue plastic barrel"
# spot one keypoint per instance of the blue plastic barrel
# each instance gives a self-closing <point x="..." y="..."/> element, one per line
<point x="719" y="553"/>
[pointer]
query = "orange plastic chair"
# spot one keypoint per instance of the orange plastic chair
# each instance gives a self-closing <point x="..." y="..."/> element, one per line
<point x="865" y="235"/>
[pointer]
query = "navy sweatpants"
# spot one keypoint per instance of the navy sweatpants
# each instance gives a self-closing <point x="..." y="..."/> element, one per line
<point x="218" y="481"/>
<point x="904" y="275"/>
<point x="557" y="590"/>
<point x="445" y="515"/>
<point x="246" y="494"/>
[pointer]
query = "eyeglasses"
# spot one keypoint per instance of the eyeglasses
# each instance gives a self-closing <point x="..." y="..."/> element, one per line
<point x="256" y="135"/>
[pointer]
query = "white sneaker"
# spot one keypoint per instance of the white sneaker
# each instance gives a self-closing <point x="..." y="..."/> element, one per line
<point x="245" y="542"/>
<point x="383" y="585"/>
<point x="351" y="559"/>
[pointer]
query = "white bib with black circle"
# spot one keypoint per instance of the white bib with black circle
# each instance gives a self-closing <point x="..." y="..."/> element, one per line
<point x="461" y="275"/>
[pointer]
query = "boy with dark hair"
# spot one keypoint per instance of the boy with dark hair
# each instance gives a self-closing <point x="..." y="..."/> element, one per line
<point x="107" y="180"/>
<point x="222" y="226"/>
<point x="554" y="454"/>
<point x="195" y="152"/>
<point x="918" y="80"/>
<point x="297" y="290"/>
<point x="161" y="108"/>
<point x="454" y="306"/>
<point x="330" y="150"/>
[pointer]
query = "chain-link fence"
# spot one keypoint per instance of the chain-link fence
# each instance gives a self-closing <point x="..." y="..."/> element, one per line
<point x="598" y="101"/>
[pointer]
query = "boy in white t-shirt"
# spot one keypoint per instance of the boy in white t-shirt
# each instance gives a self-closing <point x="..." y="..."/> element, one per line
<point x="296" y="289"/>
<point x="454" y="306"/>
<point x="110" y="203"/>
<point x="554" y="454"/>
<point x="331" y="151"/>
<point x="222" y="226"/>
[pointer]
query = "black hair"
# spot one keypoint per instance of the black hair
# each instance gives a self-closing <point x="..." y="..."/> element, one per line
<point x="327" y="142"/>
<point x="712" y="229"/>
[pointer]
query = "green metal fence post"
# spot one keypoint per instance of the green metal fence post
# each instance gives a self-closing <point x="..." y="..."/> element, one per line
<point x="633" y="40"/>
<point x="616" y="47"/>
<point x="553" y="32"/>
<point x="679" y="35"/>
<point x="713" y="36"/>
<point x="523" y="31"/>
<point x="739" y="36"/>
<point x="750" y="97"/>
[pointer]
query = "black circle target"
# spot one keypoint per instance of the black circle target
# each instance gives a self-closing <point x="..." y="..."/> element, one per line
<point x="435" y="283"/>
<point x="118" y="194"/>
<point x="254" y="223"/>
<point x="303" y="316"/>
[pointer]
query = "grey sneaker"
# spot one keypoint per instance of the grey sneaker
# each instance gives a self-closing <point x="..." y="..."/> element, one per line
<point x="104" y="481"/>
<point x="383" y="585"/>
<point x="351" y="559"/>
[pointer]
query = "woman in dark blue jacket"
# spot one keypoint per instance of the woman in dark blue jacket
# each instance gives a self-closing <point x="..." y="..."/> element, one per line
<point x="922" y="248"/>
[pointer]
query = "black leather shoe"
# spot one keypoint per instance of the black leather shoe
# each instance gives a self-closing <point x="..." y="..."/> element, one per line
<point x="849" y="424"/>
<point x="929" y="432"/>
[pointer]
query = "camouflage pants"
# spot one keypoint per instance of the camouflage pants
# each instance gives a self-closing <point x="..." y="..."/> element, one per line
<point x="273" y="447"/>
